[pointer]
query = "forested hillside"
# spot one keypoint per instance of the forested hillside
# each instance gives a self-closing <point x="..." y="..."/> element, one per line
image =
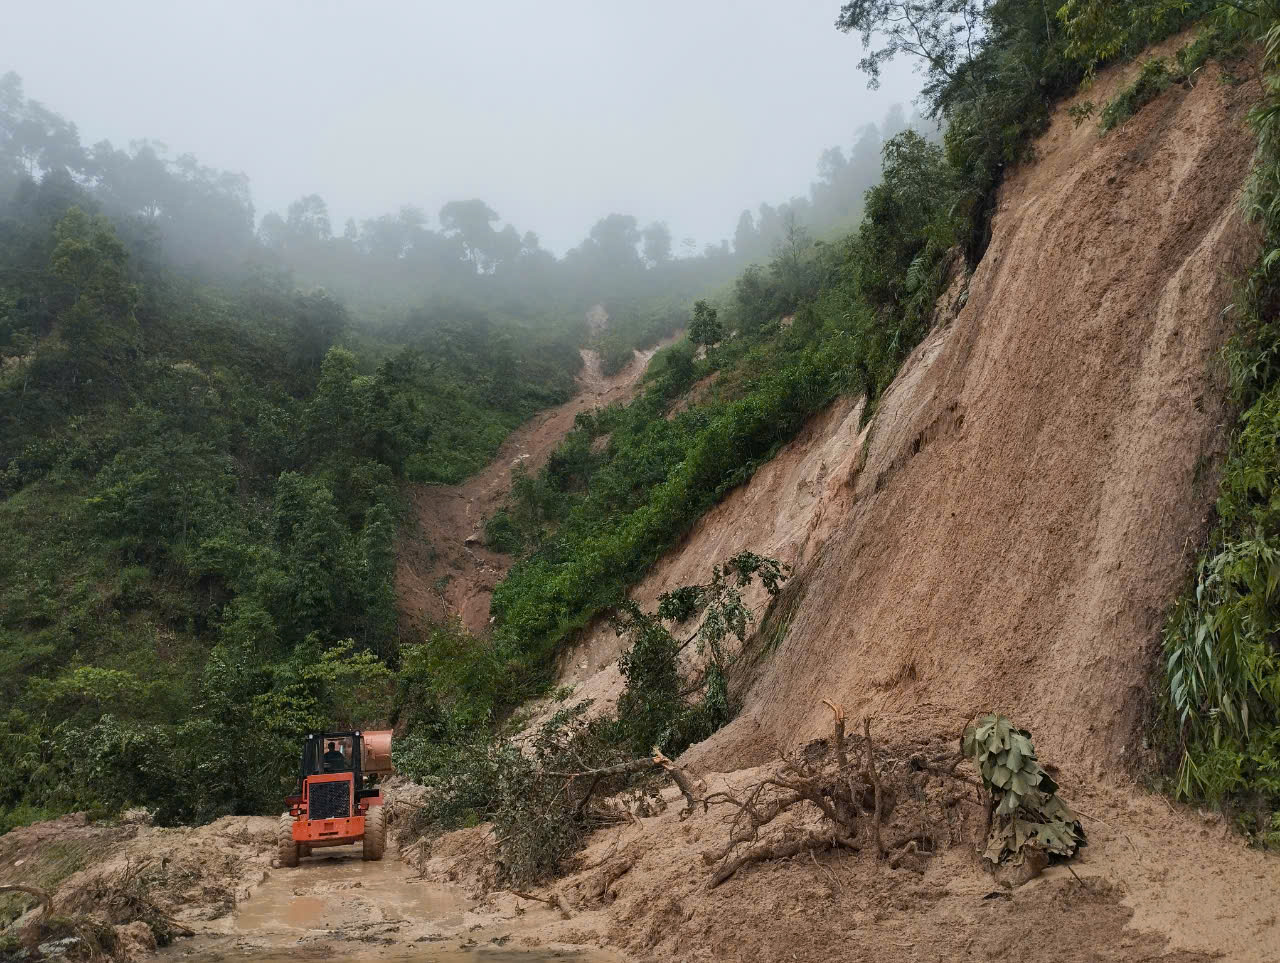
<point x="206" y="424"/>
<point x="205" y="427"/>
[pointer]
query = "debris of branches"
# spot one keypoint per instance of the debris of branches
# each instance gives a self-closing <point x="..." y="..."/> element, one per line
<point x="127" y="896"/>
<point x="44" y="899"/>
<point x="545" y="797"/>
<point x="837" y="795"/>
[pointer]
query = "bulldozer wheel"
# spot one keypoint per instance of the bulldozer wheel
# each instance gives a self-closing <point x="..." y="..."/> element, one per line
<point x="375" y="833"/>
<point x="288" y="848"/>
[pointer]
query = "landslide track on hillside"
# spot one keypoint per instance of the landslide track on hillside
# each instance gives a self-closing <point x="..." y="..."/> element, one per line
<point x="443" y="568"/>
<point x="1007" y="532"/>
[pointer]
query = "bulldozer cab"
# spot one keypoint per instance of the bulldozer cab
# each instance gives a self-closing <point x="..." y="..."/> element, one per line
<point x="326" y="753"/>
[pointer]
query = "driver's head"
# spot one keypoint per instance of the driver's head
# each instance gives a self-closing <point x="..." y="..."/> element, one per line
<point x="333" y="746"/>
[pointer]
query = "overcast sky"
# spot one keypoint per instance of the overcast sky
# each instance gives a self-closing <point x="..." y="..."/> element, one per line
<point x="555" y="112"/>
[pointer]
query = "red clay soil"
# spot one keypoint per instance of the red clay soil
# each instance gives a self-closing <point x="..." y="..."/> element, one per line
<point x="443" y="568"/>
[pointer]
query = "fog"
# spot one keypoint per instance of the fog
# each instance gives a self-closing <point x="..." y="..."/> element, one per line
<point x="554" y="113"/>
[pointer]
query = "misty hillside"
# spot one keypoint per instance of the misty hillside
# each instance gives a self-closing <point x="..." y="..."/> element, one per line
<point x="208" y="426"/>
<point x="714" y="592"/>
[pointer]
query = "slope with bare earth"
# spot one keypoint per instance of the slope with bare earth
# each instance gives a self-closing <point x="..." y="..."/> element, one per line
<point x="443" y="568"/>
<point x="1012" y="526"/>
<point x="1037" y="475"/>
<point x="1007" y="532"/>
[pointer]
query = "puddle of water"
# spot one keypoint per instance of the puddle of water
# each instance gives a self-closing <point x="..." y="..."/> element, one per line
<point x="331" y="892"/>
<point x="338" y="907"/>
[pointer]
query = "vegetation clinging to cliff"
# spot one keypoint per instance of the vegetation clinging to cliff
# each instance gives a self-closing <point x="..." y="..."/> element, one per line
<point x="1222" y="642"/>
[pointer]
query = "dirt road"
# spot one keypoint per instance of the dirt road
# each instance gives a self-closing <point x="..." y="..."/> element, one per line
<point x="445" y="569"/>
<point x="336" y="906"/>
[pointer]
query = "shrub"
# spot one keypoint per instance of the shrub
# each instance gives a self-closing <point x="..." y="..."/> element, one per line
<point x="1154" y="78"/>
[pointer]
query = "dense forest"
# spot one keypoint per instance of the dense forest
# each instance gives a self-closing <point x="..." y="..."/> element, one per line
<point x="207" y="422"/>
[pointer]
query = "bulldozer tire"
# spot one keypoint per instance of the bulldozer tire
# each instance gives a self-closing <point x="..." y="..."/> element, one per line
<point x="375" y="833"/>
<point x="288" y="848"/>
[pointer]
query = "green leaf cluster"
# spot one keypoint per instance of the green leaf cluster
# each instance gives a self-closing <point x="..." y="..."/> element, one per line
<point x="1027" y="811"/>
<point x="1221" y="660"/>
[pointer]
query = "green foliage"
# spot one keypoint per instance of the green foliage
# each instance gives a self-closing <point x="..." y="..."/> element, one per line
<point x="451" y="682"/>
<point x="1154" y="78"/>
<point x="705" y="329"/>
<point x="906" y="230"/>
<point x="474" y="773"/>
<point x="1222" y="673"/>
<point x="1082" y="111"/>
<point x="1216" y="39"/>
<point x="995" y="67"/>
<point x="939" y="32"/>
<point x="1102" y="30"/>
<point x="539" y="817"/>
<point x="634" y="325"/>
<point x="1027" y="813"/>
<point x="660" y="706"/>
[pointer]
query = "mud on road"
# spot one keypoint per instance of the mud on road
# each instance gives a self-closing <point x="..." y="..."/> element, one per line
<point x="336" y="906"/>
<point x="219" y="889"/>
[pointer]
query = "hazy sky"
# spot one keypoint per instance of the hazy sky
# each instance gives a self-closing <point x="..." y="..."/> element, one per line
<point x="555" y="112"/>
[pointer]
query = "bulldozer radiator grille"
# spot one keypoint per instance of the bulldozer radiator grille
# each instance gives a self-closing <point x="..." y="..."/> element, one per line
<point x="329" y="800"/>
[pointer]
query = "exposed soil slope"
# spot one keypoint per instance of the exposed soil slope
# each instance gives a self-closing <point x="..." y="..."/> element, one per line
<point x="783" y="513"/>
<point x="444" y="569"/>
<point x="1008" y="531"/>
<point x="1038" y="472"/>
<point x="1013" y="529"/>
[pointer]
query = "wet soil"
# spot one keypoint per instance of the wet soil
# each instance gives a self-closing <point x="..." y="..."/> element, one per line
<point x="336" y="906"/>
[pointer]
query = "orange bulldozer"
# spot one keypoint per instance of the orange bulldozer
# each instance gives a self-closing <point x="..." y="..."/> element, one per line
<point x="338" y="800"/>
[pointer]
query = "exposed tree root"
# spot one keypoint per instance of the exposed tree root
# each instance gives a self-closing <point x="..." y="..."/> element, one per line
<point x="874" y="778"/>
<point x="782" y="849"/>
<point x="851" y="792"/>
<point x="682" y="780"/>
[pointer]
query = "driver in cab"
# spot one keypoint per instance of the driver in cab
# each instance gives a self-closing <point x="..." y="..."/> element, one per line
<point x="334" y="759"/>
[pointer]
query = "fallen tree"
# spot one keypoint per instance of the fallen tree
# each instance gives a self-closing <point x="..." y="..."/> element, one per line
<point x="840" y="795"/>
<point x="852" y="789"/>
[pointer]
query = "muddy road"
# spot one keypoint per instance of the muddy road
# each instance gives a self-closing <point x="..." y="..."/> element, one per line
<point x="336" y="906"/>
